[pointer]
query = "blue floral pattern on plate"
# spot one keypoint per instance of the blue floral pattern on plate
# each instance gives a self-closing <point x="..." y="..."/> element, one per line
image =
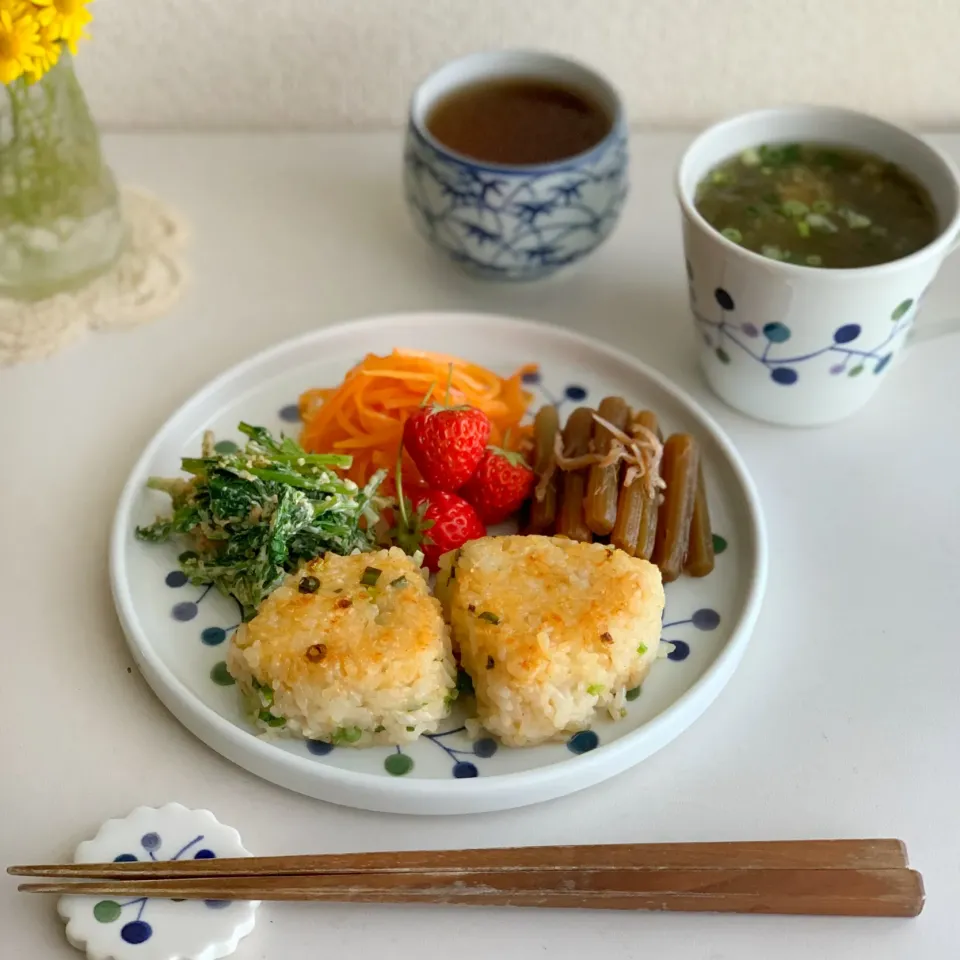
<point x="186" y="657"/>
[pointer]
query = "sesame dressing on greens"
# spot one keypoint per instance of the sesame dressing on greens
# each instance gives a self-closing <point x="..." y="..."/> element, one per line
<point x="255" y="514"/>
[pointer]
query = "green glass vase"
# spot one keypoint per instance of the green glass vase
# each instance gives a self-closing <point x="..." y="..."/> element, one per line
<point x="60" y="218"/>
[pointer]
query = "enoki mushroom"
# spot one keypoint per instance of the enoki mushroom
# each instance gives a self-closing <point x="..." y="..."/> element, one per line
<point x="641" y="451"/>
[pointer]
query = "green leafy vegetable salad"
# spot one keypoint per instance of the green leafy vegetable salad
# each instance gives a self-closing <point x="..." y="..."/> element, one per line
<point x="253" y="514"/>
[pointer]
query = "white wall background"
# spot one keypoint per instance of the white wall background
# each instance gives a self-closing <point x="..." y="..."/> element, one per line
<point x="333" y="63"/>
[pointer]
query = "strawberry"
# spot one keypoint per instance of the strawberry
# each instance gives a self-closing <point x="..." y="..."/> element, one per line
<point x="502" y="483"/>
<point x="446" y="443"/>
<point x="440" y="522"/>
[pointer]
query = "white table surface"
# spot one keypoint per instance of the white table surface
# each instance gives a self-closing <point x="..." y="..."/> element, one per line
<point x="843" y="720"/>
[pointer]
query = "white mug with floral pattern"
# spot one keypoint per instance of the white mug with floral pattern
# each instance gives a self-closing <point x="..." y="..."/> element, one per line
<point x="800" y="345"/>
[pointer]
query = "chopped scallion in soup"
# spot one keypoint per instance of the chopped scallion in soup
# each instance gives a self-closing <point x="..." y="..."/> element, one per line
<point x="818" y="206"/>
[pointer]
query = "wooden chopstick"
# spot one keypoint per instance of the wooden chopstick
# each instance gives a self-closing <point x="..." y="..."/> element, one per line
<point x="891" y="892"/>
<point x="825" y="877"/>
<point x="879" y="854"/>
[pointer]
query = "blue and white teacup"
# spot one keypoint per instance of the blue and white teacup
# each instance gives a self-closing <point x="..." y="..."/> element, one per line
<point x="799" y="345"/>
<point x="514" y="222"/>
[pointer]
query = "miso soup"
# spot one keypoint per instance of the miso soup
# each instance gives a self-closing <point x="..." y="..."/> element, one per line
<point x="818" y="205"/>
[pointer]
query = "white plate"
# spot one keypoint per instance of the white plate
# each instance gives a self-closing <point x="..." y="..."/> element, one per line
<point x="177" y="632"/>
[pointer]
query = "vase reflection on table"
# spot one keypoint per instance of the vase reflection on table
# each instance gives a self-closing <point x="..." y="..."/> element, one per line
<point x="60" y="218"/>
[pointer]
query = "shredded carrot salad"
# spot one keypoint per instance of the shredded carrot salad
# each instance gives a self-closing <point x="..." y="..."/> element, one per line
<point x="365" y="414"/>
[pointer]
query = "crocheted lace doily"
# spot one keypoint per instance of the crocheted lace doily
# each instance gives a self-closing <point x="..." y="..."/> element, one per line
<point x="144" y="283"/>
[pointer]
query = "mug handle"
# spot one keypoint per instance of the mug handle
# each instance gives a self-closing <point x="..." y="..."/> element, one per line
<point x="931" y="329"/>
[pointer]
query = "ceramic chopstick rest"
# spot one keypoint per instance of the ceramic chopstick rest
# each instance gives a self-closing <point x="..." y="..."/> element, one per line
<point x="113" y="929"/>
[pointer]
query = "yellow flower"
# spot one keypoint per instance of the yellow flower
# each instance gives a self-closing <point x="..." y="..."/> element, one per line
<point x="50" y="46"/>
<point x="19" y="35"/>
<point x="67" y="17"/>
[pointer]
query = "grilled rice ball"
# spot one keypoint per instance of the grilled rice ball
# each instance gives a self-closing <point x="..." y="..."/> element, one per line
<point x="352" y="650"/>
<point x="549" y="630"/>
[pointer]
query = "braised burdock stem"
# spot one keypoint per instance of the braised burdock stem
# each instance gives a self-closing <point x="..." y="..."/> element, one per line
<point x="603" y="483"/>
<point x="636" y="525"/>
<point x="571" y="522"/>
<point x="700" y="548"/>
<point x="680" y="470"/>
<point x="626" y="530"/>
<point x="646" y="539"/>
<point x="543" y="508"/>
